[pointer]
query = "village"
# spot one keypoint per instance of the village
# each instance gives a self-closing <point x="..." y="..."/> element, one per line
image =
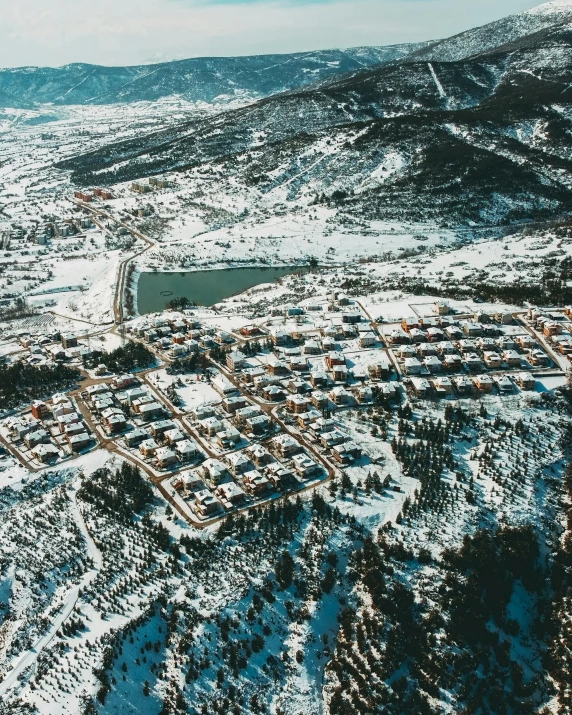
<point x="262" y="420"/>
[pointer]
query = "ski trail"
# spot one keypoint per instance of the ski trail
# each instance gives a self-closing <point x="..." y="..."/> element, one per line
<point x="440" y="89"/>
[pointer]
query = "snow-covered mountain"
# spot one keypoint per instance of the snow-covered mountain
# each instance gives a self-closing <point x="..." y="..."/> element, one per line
<point x="203" y="79"/>
<point x="496" y="34"/>
<point x="482" y="139"/>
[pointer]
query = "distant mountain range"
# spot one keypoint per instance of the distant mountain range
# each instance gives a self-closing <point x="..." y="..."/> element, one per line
<point x="480" y="139"/>
<point x="203" y="79"/>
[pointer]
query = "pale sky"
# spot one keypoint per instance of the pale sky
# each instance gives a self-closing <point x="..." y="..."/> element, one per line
<point x="127" y="32"/>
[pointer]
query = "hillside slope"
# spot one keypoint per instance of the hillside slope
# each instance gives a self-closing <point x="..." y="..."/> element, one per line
<point x="200" y="79"/>
<point x="484" y="139"/>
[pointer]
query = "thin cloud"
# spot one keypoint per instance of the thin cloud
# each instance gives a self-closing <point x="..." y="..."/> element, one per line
<point x="109" y="32"/>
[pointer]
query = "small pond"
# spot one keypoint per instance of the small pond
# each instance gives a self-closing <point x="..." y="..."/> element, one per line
<point x="155" y="290"/>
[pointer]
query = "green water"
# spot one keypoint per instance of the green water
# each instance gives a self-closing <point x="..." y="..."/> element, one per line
<point x="155" y="290"/>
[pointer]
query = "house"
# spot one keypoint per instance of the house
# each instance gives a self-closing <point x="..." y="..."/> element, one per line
<point x="504" y="383"/>
<point x="191" y="346"/>
<point x="203" y="412"/>
<point x="319" y="399"/>
<point x="238" y="463"/>
<point x="486" y="343"/>
<point x="525" y="342"/>
<point x="483" y="383"/>
<point x="443" y="386"/>
<point x="45" y="453"/>
<point x="472" y="329"/>
<point x="227" y="438"/>
<point x="56" y="353"/>
<point x="552" y="328"/>
<point x="186" y="450"/>
<point x="453" y="332"/>
<point x="150" y="411"/>
<point x="159" y="429"/>
<point x="322" y="425"/>
<point x="298" y="364"/>
<point x="432" y="363"/>
<point x="328" y="344"/>
<point x="512" y="358"/>
<point x="452" y="362"/>
<point x="426" y="349"/>
<point x="417" y="335"/>
<point x="340" y="373"/>
<point x="297" y="404"/>
<point x="122" y="382"/>
<point x="173" y="436"/>
<point x="409" y="323"/>
<point x="277" y="368"/>
<point x="250" y="331"/>
<point x="258" y="424"/>
<point x="335" y="358"/>
<point x="435" y="335"/>
<point x="244" y="413"/>
<point x="446" y="347"/>
<point x="538" y="358"/>
<point x="102" y="404"/>
<point x="235" y="360"/>
<point x="397" y="336"/>
<point x="259" y="455"/>
<point x="256" y="483"/>
<point x="319" y="379"/>
<point x="40" y="410"/>
<point x="525" y="381"/>
<point x="441" y="307"/>
<point x="148" y="448"/>
<point x="367" y="340"/>
<point x="364" y="395"/>
<point x="305" y="420"/>
<point x="382" y="369"/>
<point x="205" y="503"/>
<point x="312" y="348"/>
<point x="77" y="442"/>
<point x="473" y="362"/>
<point x="277" y="474"/>
<point x="304" y="466"/>
<point x="346" y="453"/>
<point x="68" y="341"/>
<point x="279" y="337"/>
<point x="463" y="385"/>
<point x="222" y="385"/>
<point x="214" y="471"/>
<point x="133" y="395"/>
<point x="135" y="437"/>
<point x="340" y="396"/>
<point x="286" y="445"/>
<point x="165" y="457"/>
<point x="232" y="404"/>
<point x="19" y="428"/>
<point x="76" y="428"/>
<point x="299" y="387"/>
<point x="412" y="366"/>
<point x="492" y="360"/>
<point x="351" y="317"/>
<point x="212" y="426"/>
<point x="68" y="419"/>
<point x="330" y="439"/>
<point x="230" y="494"/>
<point x="421" y="387"/>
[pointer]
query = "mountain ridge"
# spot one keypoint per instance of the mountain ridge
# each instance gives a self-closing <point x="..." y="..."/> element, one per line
<point x="200" y="79"/>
